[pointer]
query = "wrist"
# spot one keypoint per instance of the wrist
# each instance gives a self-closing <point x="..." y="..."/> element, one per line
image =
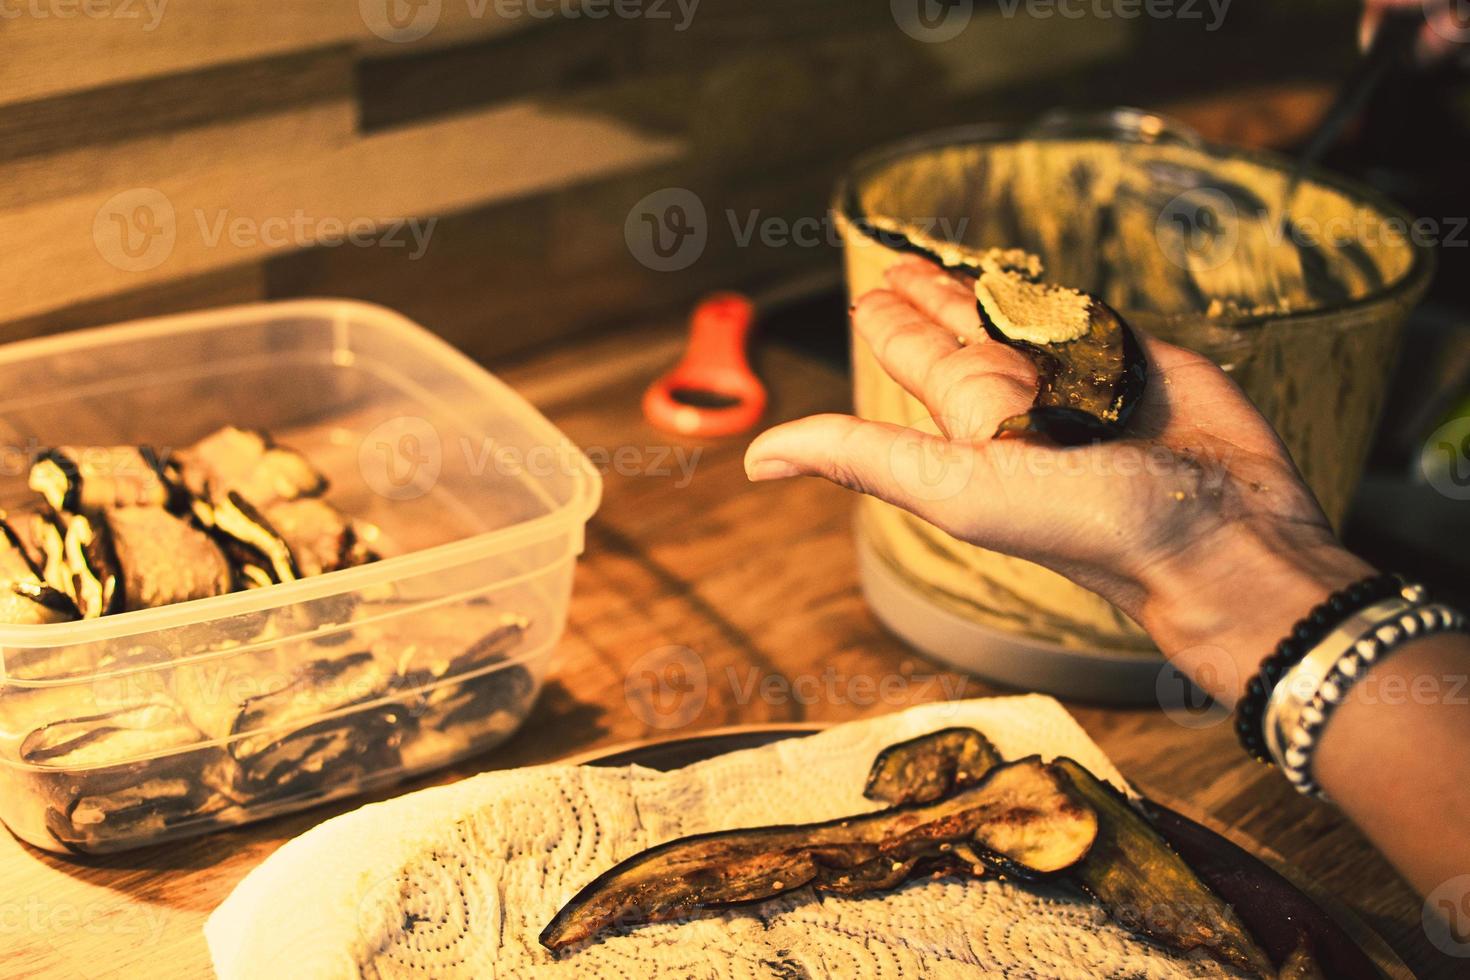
<point x="1220" y="608"/>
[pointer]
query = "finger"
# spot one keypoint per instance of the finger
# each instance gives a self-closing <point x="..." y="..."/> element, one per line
<point x="1368" y="26"/>
<point x="906" y="343"/>
<point x="924" y="474"/>
<point x="968" y="390"/>
<point x="940" y="296"/>
<point x="951" y="304"/>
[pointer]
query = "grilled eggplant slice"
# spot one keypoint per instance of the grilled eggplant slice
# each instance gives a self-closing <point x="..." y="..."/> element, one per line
<point x="1022" y="818"/>
<point x="1147" y="888"/>
<point x="248" y="463"/>
<point x="1090" y="367"/>
<point x="930" y="766"/>
<point x="164" y="559"/>
<point x="1130" y="870"/>
<point x="94" y="478"/>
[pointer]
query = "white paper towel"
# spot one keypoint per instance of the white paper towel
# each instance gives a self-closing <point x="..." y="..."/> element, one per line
<point x="457" y="881"/>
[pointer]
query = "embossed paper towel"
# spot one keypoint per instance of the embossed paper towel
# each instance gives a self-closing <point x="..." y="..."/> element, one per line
<point x="457" y="881"/>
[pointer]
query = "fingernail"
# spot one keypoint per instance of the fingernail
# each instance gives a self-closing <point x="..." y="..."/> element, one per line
<point x="771" y="469"/>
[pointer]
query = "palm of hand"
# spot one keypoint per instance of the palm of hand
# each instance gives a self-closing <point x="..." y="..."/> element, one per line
<point x="1200" y="457"/>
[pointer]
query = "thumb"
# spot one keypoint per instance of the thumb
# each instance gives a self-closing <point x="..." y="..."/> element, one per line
<point x="922" y="473"/>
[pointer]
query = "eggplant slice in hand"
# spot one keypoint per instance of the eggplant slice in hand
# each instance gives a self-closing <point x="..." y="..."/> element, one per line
<point x="1091" y="371"/>
<point x="1022" y="819"/>
<point x="927" y="767"/>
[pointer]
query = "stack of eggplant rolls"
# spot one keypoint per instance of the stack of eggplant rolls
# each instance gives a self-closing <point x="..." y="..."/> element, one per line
<point x="296" y="710"/>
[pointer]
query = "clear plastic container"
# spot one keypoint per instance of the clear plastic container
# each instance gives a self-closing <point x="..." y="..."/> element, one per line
<point x="162" y="723"/>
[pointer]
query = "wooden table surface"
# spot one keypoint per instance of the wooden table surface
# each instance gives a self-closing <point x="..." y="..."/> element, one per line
<point x="757" y="587"/>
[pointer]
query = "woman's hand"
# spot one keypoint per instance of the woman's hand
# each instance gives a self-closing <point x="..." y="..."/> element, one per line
<point x="1199" y="511"/>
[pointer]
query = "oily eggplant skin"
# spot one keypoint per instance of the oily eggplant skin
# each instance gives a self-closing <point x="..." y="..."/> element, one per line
<point x="1148" y="888"/>
<point x="929" y="766"/>
<point x="1022" y="819"/>
<point x="1088" y="388"/>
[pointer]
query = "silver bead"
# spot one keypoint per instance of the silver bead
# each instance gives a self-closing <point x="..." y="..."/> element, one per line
<point x="1312" y="716"/>
<point x="1348" y="666"/>
<point x="1367" y="649"/>
<point x="1409" y="623"/>
<point x="1301" y="739"/>
<point x="1414" y="592"/>
<point x="1295" y="757"/>
<point x="1388" y="634"/>
<point x="1332" y="692"/>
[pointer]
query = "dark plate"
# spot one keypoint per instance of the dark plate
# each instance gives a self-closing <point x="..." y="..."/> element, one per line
<point x="1275" y="910"/>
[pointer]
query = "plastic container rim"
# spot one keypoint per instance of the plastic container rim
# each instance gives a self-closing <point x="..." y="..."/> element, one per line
<point x="566" y="518"/>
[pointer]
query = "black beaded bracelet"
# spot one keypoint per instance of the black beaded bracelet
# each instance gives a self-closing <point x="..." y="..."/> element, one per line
<point x="1307" y="633"/>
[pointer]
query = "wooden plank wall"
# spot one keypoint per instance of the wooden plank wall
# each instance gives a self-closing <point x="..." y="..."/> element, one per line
<point x="158" y="155"/>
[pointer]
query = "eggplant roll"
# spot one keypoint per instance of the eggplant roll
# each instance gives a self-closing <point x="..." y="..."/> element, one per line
<point x="25" y="597"/>
<point x="139" y="558"/>
<point x="113" y="778"/>
<point x="319" y="536"/>
<point x="94" y="478"/>
<point x="258" y="553"/>
<point x="275" y="731"/>
<point x="246" y="462"/>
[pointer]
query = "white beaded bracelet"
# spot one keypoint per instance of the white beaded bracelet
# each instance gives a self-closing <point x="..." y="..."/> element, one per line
<point x="1303" y="701"/>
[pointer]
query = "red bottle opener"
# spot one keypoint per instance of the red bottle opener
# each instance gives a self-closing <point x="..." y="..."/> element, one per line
<point x="712" y="390"/>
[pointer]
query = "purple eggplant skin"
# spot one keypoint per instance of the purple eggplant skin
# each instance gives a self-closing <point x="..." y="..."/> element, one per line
<point x="1147" y="888"/>
<point x="728" y="869"/>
